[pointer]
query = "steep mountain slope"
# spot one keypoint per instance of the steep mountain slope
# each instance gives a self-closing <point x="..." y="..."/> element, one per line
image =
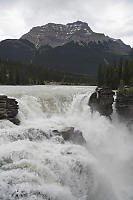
<point x="74" y="57"/>
<point x="58" y="34"/>
<point x="18" y="50"/>
<point x="73" y="48"/>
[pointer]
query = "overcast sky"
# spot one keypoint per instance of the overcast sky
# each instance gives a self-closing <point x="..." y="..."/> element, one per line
<point x="112" y="17"/>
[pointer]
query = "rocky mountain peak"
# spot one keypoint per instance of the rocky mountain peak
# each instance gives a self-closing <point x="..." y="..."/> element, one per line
<point x="58" y="34"/>
<point x="80" y="27"/>
<point x="79" y="24"/>
<point x="73" y="47"/>
<point x="55" y="35"/>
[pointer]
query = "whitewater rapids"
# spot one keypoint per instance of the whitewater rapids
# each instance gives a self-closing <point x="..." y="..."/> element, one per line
<point x="33" y="167"/>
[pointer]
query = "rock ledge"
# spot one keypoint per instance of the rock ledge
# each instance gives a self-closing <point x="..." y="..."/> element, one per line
<point x="101" y="100"/>
<point x="9" y="109"/>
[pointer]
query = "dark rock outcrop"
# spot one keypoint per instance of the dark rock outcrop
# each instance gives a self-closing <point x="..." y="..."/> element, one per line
<point x="101" y="100"/>
<point x="72" y="135"/>
<point x="124" y="106"/>
<point x="9" y="109"/>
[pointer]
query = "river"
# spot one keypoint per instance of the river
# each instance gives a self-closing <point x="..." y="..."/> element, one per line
<point x="33" y="167"/>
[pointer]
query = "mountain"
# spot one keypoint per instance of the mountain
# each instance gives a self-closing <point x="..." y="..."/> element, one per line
<point x="18" y="50"/>
<point x="73" y="57"/>
<point x="73" y="47"/>
<point x="58" y="35"/>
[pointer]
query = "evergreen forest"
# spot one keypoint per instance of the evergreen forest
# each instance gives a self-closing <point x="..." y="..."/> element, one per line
<point x="16" y="73"/>
<point x="116" y="75"/>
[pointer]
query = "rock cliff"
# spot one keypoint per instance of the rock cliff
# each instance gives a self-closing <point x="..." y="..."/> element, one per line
<point x="124" y="105"/>
<point x="9" y="109"/>
<point x="101" y="100"/>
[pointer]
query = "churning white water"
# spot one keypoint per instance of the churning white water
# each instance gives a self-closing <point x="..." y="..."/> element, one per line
<point x="36" y="166"/>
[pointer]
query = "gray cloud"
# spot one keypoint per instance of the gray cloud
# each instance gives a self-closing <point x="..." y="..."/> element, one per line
<point x="113" y="17"/>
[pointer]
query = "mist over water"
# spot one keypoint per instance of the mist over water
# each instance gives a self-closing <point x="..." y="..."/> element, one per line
<point x="36" y="166"/>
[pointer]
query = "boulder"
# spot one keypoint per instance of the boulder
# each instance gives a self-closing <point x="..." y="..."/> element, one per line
<point x="70" y="134"/>
<point x="9" y="109"/>
<point x="101" y="100"/>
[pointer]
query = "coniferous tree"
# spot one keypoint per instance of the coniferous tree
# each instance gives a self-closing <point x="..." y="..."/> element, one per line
<point x="14" y="73"/>
<point x="113" y="76"/>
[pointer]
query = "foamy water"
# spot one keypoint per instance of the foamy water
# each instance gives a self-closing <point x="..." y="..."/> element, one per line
<point x="36" y="166"/>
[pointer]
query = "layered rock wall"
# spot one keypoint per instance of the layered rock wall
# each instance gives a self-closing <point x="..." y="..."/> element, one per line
<point x="124" y="105"/>
<point x="9" y="109"/>
<point x="101" y="100"/>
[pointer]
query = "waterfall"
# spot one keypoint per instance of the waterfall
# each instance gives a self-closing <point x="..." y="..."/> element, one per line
<point x="36" y="166"/>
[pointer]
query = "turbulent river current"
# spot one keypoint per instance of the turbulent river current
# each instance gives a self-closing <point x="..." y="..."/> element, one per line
<point x="33" y="167"/>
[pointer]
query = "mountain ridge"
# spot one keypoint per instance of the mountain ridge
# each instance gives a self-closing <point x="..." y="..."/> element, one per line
<point x="73" y="47"/>
<point x="59" y="34"/>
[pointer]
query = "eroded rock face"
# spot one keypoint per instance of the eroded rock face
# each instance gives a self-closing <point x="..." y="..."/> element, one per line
<point x="59" y="34"/>
<point x="101" y="100"/>
<point x="124" y="106"/>
<point x="70" y="134"/>
<point x="9" y="109"/>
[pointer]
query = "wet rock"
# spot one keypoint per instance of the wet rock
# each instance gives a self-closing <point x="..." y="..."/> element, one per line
<point x="36" y="134"/>
<point x="9" y="109"/>
<point x="14" y="120"/>
<point x="32" y="134"/>
<point x="58" y="139"/>
<point x="70" y="134"/>
<point x="21" y="195"/>
<point x="124" y="106"/>
<point x="101" y="100"/>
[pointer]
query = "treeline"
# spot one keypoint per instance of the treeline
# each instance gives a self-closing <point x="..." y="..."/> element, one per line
<point x="116" y="75"/>
<point x="15" y="73"/>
